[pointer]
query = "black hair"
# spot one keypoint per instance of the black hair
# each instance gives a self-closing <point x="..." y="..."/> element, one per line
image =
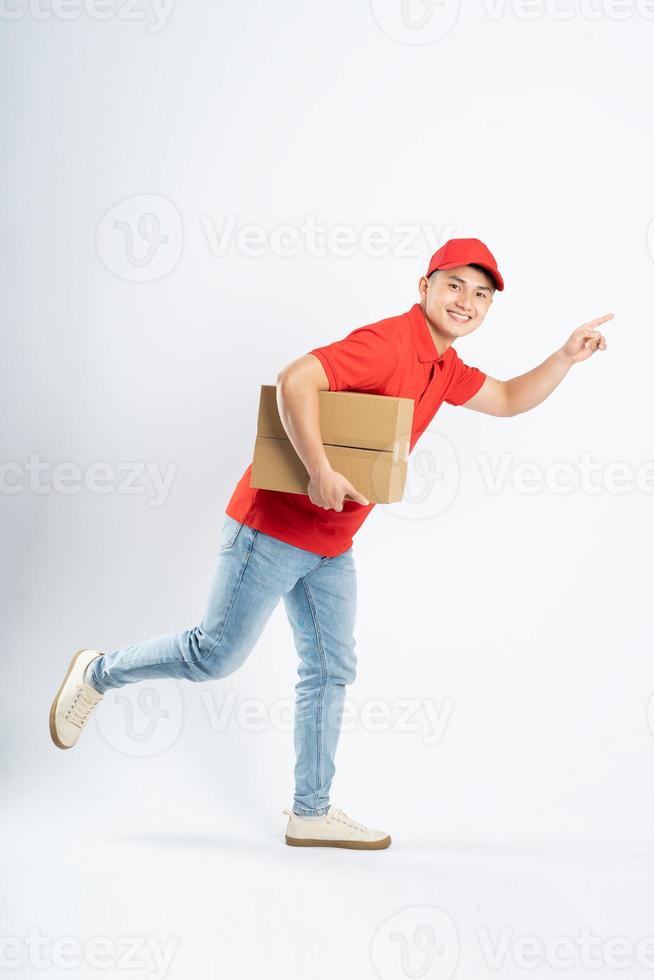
<point x="473" y="265"/>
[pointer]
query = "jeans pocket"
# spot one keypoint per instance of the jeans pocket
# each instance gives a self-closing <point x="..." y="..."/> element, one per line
<point x="230" y="532"/>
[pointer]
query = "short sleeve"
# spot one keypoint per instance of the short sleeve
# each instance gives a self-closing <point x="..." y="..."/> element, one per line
<point x="364" y="360"/>
<point x="466" y="382"/>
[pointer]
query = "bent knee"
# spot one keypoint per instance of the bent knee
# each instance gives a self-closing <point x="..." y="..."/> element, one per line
<point x="214" y="657"/>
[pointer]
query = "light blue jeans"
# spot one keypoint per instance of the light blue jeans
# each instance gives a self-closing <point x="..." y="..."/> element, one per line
<point x="253" y="572"/>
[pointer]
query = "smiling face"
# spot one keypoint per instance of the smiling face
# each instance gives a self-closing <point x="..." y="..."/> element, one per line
<point x="455" y="302"/>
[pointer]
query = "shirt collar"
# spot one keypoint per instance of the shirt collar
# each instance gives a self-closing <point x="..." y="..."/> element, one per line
<point x="422" y="338"/>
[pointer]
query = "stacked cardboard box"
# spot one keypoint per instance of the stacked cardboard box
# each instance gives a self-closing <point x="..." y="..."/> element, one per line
<point x="366" y="438"/>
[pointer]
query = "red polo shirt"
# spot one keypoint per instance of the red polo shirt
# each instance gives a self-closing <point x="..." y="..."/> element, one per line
<point x="396" y="356"/>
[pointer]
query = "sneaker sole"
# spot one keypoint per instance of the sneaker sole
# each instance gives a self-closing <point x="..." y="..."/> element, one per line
<point x="53" y="709"/>
<point x="362" y="845"/>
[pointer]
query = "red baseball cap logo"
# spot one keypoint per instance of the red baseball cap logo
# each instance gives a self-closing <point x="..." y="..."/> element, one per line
<point x="465" y="251"/>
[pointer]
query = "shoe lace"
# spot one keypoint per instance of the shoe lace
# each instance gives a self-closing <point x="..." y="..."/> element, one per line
<point x="342" y="817"/>
<point x="81" y="706"/>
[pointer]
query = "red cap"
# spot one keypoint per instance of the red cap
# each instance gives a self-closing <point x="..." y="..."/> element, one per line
<point x="465" y="251"/>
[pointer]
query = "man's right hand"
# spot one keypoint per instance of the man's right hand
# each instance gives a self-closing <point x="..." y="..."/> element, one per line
<point x="328" y="489"/>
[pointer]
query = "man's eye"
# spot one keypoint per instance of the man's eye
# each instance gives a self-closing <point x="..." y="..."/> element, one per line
<point x="454" y="285"/>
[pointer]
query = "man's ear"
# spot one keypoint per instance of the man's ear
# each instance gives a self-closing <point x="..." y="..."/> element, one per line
<point x="423" y="285"/>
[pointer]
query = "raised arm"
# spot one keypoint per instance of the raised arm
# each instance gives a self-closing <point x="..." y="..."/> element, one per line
<point x="519" y="394"/>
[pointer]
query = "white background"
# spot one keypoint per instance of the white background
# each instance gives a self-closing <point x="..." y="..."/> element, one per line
<point x="520" y="617"/>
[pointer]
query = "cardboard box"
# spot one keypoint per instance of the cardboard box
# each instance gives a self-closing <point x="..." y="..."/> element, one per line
<point x="366" y="438"/>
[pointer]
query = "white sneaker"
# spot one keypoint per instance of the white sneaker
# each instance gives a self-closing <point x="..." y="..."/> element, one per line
<point x="74" y="701"/>
<point x="334" y="829"/>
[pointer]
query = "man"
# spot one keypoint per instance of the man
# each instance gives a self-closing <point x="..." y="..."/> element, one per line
<point x="299" y="548"/>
